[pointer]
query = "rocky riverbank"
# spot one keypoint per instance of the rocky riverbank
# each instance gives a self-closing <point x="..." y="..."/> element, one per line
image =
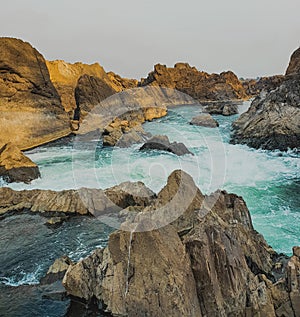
<point x="273" y="119"/>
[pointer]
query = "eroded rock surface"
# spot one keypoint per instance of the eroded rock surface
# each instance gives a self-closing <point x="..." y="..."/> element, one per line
<point x="220" y="266"/>
<point x="198" y="84"/>
<point x="31" y="111"/>
<point x="273" y="119"/>
<point x="15" y="166"/>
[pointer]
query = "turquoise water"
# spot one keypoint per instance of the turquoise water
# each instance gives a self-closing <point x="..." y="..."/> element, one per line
<point x="268" y="181"/>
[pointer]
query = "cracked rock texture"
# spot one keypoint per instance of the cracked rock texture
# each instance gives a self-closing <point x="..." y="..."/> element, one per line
<point x="210" y="263"/>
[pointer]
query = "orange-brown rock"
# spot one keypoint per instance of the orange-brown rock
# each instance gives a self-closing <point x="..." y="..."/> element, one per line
<point x="31" y="111"/>
<point x="15" y="166"/>
<point x="198" y="84"/>
<point x="65" y="76"/>
<point x="120" y="83"/>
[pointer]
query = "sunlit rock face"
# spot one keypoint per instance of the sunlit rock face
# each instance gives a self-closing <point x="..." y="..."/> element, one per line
<point x="198" y="84"/>
<point x="15" y="166"/>
<point x="31" y="111"/>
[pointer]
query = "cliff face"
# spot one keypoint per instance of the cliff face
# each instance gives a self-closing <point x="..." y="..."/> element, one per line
<point x="197" y="84"/>
<point x="31" y="111"/>
<point x="273" y="119"/>
<point x="208" y="262"/>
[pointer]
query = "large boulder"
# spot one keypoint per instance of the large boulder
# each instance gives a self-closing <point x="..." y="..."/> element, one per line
<point x="162" y="143"/>
<point x="198" y="84"/>
<point x="31" y="111"/>
<point x="273" y="119"/>
<point x="219" y="266"/>
<point x="15" y="166"/>
<point x="205" y="120"/>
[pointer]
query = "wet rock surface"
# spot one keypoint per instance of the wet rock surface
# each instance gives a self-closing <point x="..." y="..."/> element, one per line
<point x="162" y="143"/>
<point x="205" y="120"/>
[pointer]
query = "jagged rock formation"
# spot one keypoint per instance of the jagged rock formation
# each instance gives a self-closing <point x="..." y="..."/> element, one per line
<point x="273" y="119"/>
<point x="294" y="65"/>
<point x="162" y="143"/>
<point x="31" y="111"/>
<point x="255" y="87"/>
<point x="218" y="265"/>
<point x="65" y="77"/>
<point x="15" y="166"/>
<point x="120" y="84"/>
<point x="83" y="201"/>
<point x="205" y="120"/>
<point x="199" y="85"/>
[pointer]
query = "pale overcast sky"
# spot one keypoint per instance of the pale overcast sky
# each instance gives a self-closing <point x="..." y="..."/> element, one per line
<point x="252" y="38"/>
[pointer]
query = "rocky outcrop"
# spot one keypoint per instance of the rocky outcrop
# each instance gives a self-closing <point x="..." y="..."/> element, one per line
<point x="90" y="92"/>
<point x="222" y="108"/>
<point x="65" y="76"/>
<point x="124" y="133"/>
<point x="83" y="201"/>
<point x="254" y="87"/>
<point x="205" y="120"/>
<point x="218" y="266"/>
<point x="31" y="111"/>
<point x="124" y="111"/>
<point x="294" y="65"/>
<point x="162" y="143"/>
<point x="120" y="84"/>
<point x="197" y="84"/>
<point x="15" y="166"/>
<point x="273" y="119"/>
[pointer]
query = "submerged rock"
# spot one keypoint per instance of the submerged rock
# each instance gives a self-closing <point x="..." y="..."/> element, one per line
<point x="162" y="143"/>
<point x="15" y="166"/>
<point x="220" y="266"/>
<point x="205" y="120"/>
<point x="273" y="120"/>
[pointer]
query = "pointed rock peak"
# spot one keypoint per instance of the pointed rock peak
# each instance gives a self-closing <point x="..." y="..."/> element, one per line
<point x="294" y="65"/>
<point x="181" y="190"/>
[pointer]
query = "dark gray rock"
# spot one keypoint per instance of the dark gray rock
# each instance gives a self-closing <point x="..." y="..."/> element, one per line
<point x="162" y="143"/>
